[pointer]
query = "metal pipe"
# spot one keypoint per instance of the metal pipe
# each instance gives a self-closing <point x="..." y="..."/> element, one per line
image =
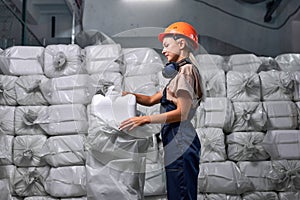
<point x="73" y="27"/>
<point x="24" y="19"/>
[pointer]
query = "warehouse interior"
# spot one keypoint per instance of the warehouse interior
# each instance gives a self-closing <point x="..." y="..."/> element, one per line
<point x="65" y="63"/>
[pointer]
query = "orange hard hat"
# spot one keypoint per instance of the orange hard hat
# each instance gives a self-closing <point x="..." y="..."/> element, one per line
<point x="183" y="29"/>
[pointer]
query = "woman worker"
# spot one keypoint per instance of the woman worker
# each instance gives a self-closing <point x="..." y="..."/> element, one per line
<point x="179" y="101"/>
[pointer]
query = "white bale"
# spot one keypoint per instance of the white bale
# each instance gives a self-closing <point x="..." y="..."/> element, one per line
<point x="296" y="86"/>
<point x="212" y="144"/>
<point x="7" y="173"/>
<point x="259" y="173"/>
<point x="243" y="86"/>
<point x="30" y="181"/>
<point x="218" y="197"/>
<point x="214" y="82"/>
<point x="66" y="182"/>
<point x="246" y="146"/>
<point x="6" y="149"/>
<point x="28" y="90"/>
<point x="63" y="60"/>
<point x="249" y="116"/>
<point x="244" y="62"/>
<point x="25" y="117"/>
<point x="222" y="177"/>
<point x="102" y="81"/>
<point x="282" y="144"/>
<point x="211" y="61"/>
<point x="8" y="94"/>
<point x="260" y="196"/>
<point x="78" y="198"/>
<point x="7" y="116"/>
<point x="289" y="62"/>
<point x="4" y="188"/>
<point x="103" y="58"/>
<point x="40" y="198"/>
<point x="61" y="151"/>
<point x="289" y="195"/>
<point x="76" y="89"/>
<point x="281" y="115"/>
<point x="22" y="60"/>
<point x="276" y="85"/>
<point x="143" y="84"/>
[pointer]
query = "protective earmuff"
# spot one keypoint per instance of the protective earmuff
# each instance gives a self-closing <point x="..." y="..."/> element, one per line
<point x="171" y="69"/>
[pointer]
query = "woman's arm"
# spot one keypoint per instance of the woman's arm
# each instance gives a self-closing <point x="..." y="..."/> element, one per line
<point x="146" y="100"/>
<point x="184" y="102"/>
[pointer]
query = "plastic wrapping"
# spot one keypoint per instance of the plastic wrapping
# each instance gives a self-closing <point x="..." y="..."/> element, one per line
<point x="218" y="197"/>
<point x="30" y="181"/>
<point x="259" y="173"/>
<point x="63" y="119"/>
<point x="288" y="195"/>
<point x="8" y="94"/>
<point x="102" y="81"/>
<point x="212" y="144"/>
<point x="66" y="181"/>
<point x="215" y="112"/>
<point x="40" y="198"/>
<point x="261" y="196"/>
<point x="24" y="120"/>
<point x="296" y="86"/>
<point x="277" y="85"/>
<point x="146" y="84"/>
<point x="6" y="149"/>
<point x="63" y="60"/>
<point x="22" y="60"/>
<point x="243" y="86"/>
<point x="281" y="115"/>
<point x="268" y="63"/>
<point x="285" y="174"/>
<point x="244" y="62"/>
<point x="7" y="116"/>
<point x="78" y="198"/>
<point x="28" y="90"/>
<point x="64" y="151"/>
<point x="27" y="150"/>
<point x="289" y="62"/>
<point x="211" y="61"/>
<point x="246" y="146"/>
<point x="103" y="58"/>
<point x="76" y="89"/>
<point x="4" y="188"/>
<point x="282" y="144"/>
<point x="249" y="116"/>
<point x="214" y="82"/>
<point x="228" y="180"/>
<point x="7" y="174"/>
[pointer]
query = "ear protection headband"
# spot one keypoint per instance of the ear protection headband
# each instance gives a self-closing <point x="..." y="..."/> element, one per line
<point x="171" y="69"/>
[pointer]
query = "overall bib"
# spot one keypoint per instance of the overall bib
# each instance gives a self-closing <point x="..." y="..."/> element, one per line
<point x="181" y="148"/>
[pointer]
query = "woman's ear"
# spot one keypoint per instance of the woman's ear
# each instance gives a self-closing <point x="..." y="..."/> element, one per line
<point x="182" y="43"/>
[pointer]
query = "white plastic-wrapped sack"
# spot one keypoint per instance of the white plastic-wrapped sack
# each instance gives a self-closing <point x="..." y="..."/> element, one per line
<point x="212" y="144"/>
<point x="268" y="63"/>
<point x="246" y="146"/>
<point x="4" y="188"/>
<point x="211" y="61"/>
<point x="24" y="120"/>
<point x="218" y="197"/>
<point x="297" y="86"/>
<point x="249" y="116"/>
<point x="281" y="115"/>
<point x="260" y="174"/>
<point x="160" y="197"/>
<point x="288" y="195"/>
<point x="61" y="151"/>
<point x="66" y="182"/>
<point x="143" y="84"/>
<point x="78" y="198"/>
<point x="6" y="147"/>
<point x="40" y="198"/>
<point x="22" y="60"/>
<point x="276" y="85"/>
<point x="63" y="119"/>
<point x="8" y="94"/>
<point x="7" y="173"/>
<point x="68" y="89"/>
<point x="285" y="174"/>
<point x="7" y="116"/>
<point x="27" y="150"/>
<point x="244" y="62"/>
<point x="102" y="81"/>
<point x="222" y="177"/>
<point x="214" y="82"/>
<point x="282" y="144"/>
<point x="103" y="58"/>
<point x="30" y="181"/>
<point x="28" y="90"/>
<point x="289" y="62"/>
<point x="63" y="60"/>
<point x="215" y="112"/>
<point x="260" y="196"/>
<point x="141" y="61"/>
<point x="243" y="86"/>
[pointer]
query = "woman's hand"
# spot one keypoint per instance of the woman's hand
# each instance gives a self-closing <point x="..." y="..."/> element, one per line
<point x="133" y="122"/>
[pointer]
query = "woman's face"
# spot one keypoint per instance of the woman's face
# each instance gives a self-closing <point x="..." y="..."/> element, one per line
<point x="171" y="49"/>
